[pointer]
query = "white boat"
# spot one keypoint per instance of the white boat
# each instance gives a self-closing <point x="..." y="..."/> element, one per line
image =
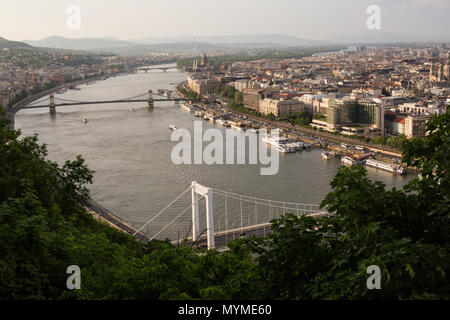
<point x="295" y="146"/>
<point x="84" y="120"/>
<point x="275" y="141"/>
<point x="394" y="168"/>
<point x="325" y="155"/>
<point x="131" y="109"/>
<point x="279" y="143"/>
<point x="284" y="148"/>
<point x="349" y="160"/>
<point x="300" y="145"/>
<point x="222" y="122"/>
<point x="172" y="127"/>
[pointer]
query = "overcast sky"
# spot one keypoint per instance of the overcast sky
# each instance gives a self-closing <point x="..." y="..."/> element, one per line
<point x="310" y="19"/>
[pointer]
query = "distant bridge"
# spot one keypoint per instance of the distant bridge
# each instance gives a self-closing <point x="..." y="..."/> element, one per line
<point x="59" y="102"/>
<point x="163" y="69"/>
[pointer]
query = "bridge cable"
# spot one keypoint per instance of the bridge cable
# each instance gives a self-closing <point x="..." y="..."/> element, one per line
<point x="131" y="98"/>
<point x="270" y="205"/>
<point x="38" y="101"/>
<point x="262" y="199"/>
<point x="75" y="101"/>
<point x="173" y="220"/>
<point x="165" y="208"/>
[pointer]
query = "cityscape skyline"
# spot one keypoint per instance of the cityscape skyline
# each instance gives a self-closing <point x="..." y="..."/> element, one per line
<point x="325" y="20"/>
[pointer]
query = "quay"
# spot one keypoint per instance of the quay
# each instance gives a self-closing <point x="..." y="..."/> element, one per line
<point x="103" y="214"/>
<point x="307" y="135"/>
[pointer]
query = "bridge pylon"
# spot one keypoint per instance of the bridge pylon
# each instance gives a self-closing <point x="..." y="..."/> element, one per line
<point x="150" y="99"/>
<point x="52" y="104"/>
<point x="10" y="117"/>
<point x="197" y="190"/>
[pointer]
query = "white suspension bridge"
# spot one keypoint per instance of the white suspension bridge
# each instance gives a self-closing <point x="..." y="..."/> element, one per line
<point x="230" y="216"/>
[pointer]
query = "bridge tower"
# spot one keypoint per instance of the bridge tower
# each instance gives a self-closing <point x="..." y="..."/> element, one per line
<point x="150" y="99"/>
<point x="52" y="104"/>
<point x="10" y="117"/>
<point x="197" y="190"/>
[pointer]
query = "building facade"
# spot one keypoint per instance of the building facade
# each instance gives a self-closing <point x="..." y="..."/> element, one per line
<point x="280" y="108"/>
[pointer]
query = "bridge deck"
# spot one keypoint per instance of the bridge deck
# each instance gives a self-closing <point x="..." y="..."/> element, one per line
<point x="99" y="102"/>
<point x="221" y="239"/>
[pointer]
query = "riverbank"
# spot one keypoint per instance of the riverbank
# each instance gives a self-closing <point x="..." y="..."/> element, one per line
<point x="104" y="215"/>
<point x="310" y="136"/>
<point x="12" y="110"/>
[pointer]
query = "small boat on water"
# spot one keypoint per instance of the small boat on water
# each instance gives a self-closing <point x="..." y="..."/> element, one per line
<point x="349" y="160"/>
<point x="172" y="127"/>
<point x="393" y="168"/>
<point x="325" y="155"/>
<point x="131" y="109"/>
<point x="84" y="120"/>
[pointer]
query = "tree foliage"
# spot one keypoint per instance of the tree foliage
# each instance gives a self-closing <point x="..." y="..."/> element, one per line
<point x="44" y="228"/>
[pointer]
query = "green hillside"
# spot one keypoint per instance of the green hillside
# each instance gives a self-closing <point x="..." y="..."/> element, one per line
<point x="4" y="43"/>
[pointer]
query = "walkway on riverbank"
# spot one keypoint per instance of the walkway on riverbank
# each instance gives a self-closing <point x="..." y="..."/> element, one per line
<point x="301" y="132"/>
<point x="103" y="214"/>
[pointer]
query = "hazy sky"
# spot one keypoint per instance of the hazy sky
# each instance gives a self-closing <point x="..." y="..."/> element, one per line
<point x="311" y="19"/>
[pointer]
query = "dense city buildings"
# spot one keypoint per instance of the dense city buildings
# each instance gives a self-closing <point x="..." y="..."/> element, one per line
<point x="26" y="71"/>
<point x="371" y="91"/>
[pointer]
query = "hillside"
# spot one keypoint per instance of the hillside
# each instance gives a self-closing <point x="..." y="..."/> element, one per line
<point x="79" y="43"/>
<point x="5" y="43"/>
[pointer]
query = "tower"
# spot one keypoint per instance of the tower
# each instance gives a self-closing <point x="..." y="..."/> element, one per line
<point x="150" y="99"/>
<point x="431" y="71"/>
<point x="446" y="70"/>
<point x="204" y="61"/>
<point x="52" y="104"/>
<point x="440" y="69"/>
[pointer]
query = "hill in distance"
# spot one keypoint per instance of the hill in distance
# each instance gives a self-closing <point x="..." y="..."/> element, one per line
<point x="245" y="40"/>
<point x="79" y="43"/>
<point x="242" y="41"/>
<point x="4" y="43"/>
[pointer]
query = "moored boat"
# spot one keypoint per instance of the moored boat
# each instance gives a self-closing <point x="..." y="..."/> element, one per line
<point x="349" y="160"/>
<point x="394" y="168"/>
<point x="325" y="155"/>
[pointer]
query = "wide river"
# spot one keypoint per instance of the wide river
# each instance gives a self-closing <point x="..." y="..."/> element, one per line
<point x="131" y="155"/>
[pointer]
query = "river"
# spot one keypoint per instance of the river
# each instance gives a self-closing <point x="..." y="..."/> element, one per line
<point x="131" y="155"/>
